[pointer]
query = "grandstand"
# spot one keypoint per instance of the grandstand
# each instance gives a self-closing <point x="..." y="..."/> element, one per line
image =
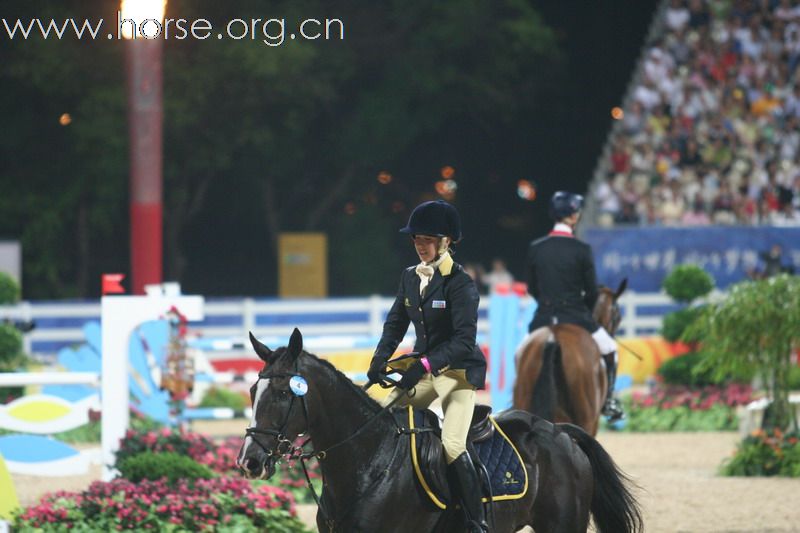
<point x="709" y="133"/>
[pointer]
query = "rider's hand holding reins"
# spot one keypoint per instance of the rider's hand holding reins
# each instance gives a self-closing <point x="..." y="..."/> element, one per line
<point x="377" y="370"/>
<point x="412" y="375"/>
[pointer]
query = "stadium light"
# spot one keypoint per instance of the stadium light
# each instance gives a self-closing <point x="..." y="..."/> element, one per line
<point x="140" y="11"/>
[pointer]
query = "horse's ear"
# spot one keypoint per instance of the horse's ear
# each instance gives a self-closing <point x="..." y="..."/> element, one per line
<point x="622" y="286"/>
<point x="263" y="352"/>
<point x="296" y="343"/>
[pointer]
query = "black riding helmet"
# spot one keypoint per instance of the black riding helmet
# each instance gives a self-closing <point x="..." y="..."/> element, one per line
<point x="564" y="204"/>
<point x="436" y="218"/>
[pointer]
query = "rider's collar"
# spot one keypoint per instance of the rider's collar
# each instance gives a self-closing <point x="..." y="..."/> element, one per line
<point x="446" y="264"/>
<point x="560" y="227"/>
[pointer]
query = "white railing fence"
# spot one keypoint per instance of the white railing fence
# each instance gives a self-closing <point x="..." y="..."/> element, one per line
<point x="59" y="324"/>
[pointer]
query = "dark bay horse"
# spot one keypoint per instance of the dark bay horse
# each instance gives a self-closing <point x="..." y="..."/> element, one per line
<point x="368" y="479"/>
<point x="566" y="381"/>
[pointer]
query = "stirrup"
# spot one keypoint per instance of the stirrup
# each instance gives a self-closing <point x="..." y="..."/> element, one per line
<point x="612" y="409"/>
<point x="474" y="526"/>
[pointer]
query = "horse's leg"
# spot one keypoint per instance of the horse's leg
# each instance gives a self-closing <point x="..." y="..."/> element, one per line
<point x="581" y="362"/>
<point x="529" y="365"/>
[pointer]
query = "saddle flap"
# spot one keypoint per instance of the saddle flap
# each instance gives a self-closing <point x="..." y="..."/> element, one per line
<point x="496" y="454"/>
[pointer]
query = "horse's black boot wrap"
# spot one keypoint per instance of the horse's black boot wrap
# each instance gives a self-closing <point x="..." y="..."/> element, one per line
<point x="612" y="408"/>
<point x="467" y="487"/>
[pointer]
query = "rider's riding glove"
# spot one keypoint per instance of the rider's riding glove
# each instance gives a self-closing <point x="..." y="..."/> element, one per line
<point x="376" y="369"/>
<point x="412" y="376"/>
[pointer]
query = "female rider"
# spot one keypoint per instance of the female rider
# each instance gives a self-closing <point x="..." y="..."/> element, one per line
<point x="442" y="302"/>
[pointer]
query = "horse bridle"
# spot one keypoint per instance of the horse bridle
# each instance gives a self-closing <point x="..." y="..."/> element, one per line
<point x="283" y="446"/>
<point x="290" y="451"/>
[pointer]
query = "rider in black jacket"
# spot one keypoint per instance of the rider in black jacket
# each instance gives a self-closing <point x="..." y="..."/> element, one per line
<point x="441" y="300"/>
<point x="562" y="279"/>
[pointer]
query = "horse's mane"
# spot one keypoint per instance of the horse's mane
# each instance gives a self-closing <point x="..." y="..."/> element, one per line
<point x="360" y="393"/>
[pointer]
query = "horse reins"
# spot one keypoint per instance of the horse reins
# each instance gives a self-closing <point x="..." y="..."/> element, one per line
<point x="286" y="448"/>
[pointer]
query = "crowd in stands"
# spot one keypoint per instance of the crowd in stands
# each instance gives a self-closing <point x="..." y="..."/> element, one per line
<point x="712" y="132"/>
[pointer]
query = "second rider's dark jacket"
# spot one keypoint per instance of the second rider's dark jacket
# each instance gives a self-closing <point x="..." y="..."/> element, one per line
<point x="562" y="279"/>
<point x="445" y="319"/>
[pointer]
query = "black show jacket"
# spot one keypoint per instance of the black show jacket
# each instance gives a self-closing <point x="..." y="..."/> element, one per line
<point x="562" y="278"/>
<point x="445" y="319"/>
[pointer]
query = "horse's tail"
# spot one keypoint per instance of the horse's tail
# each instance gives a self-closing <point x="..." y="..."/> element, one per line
<point x="543" y="399"/>
<point x="614" y="508"/>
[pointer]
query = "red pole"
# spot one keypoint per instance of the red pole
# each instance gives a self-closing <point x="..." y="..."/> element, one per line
<point x="145" y="116"/>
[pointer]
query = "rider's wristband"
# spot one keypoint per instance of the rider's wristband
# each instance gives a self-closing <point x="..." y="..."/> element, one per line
<point x="426" y="364"/>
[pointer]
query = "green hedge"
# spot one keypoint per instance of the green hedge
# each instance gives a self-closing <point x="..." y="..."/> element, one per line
<point x="716" y="418"/>
<point x="675" y="323"/>
<point x="216" y="397"/>
<point x="155" y="466"/>
<point x="686" y="370"/>
<point x="9" y="289"/>
<point x="688" y="282"/>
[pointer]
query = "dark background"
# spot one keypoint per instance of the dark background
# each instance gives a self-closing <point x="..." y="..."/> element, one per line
<point x="259" y="141"/>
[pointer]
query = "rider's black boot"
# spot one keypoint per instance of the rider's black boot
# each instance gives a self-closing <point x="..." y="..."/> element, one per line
<point x="467" y="488"/>
<point x="612" y="407"/>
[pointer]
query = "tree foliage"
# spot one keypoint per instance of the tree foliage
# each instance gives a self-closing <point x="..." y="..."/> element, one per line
<point x="270" y="139"/>
<point x="9" y="289"/>
<point x="755" y="329"/>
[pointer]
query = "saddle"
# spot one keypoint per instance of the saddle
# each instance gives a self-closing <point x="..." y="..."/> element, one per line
<point x="496" y="458"/>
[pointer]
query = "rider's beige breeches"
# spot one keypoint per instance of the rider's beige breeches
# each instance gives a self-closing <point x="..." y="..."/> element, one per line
<point x="458" y="402"/>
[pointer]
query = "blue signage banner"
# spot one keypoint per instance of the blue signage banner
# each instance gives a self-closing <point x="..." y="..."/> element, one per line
<point x="646" y="255"/>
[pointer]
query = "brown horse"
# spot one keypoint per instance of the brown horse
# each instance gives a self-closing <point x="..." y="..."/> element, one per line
<point x="565" y="380"/>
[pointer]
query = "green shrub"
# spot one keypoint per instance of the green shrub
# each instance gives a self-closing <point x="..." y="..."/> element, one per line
<point x="10" y="347"/>
<point x="766" y="453"/>
<point x="216" y="397"/>
<point x="9" y="289"/>
<point x="11" y="359"/>
<point x="688" y="282"/>
<point x="794" y="378"/>
<point x="169" y="465"/>
<point x="716" y="418"/>
<point x="682" y="370"/>
<point x="675" y="323"/>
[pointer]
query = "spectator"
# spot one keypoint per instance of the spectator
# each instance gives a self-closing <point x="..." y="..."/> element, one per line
<point x="620" y="158"/>
<point x="698" y="14"/>
<point x="608" y="197"/>
<point x="633" y="121"/>
<point x="786" y="11"/>
<point x="677" y="16"/>
<point x="773" y="263"/>
<point x="697" y="215"/>
<point x="723" y="205"/>
<point x="473" y="272"/>
<point x="498" y="275"/>
<point x="717" y="112"/>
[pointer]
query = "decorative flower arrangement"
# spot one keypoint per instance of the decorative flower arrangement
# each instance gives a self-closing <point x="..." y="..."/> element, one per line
<point x="220" y="457"/>
<point x="681" y="408"/>
<point x="696" y="399"/>
<point x="195" y="445"/>
<point x="766" y="453"/>
<point x="202" y="505"/>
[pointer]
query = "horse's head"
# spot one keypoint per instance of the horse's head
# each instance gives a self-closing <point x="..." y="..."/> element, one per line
<point x="606" y="310"/>
<point x="278" y="408"/>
